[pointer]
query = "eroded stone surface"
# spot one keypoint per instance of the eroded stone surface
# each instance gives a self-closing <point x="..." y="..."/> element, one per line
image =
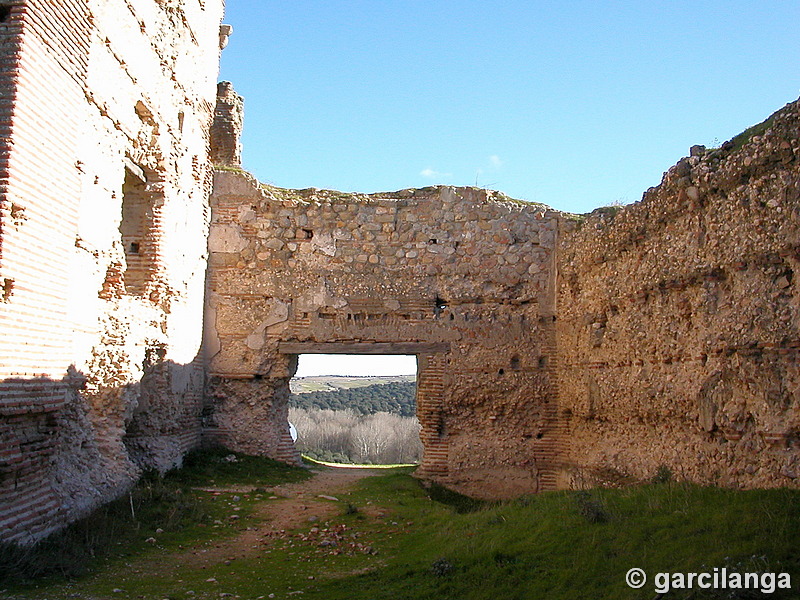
<point x="464" y="268"/>
<point x="676" y="336"/>
<point x="679" y="316"/>
<point x="552" y="350"/>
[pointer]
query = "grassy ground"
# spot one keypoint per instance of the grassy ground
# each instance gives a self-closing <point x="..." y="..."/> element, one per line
<point x="160" y="513"/>
<point x="393" y="539"/>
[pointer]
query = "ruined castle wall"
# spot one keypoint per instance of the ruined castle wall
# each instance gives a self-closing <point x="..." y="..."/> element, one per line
<point x="105" y="109"/>
<point x="226" y="129"/>
<point x="461" y="277"/>
<point x="679" y="321"/>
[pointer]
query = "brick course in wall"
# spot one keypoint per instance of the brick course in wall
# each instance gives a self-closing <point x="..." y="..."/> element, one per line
<point x="101" y="372"/>
<point x="582" y="350"/>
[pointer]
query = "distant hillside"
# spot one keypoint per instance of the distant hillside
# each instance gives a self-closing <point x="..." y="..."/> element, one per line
<point x="397" y="397"/>
<point x="329" y="383"/>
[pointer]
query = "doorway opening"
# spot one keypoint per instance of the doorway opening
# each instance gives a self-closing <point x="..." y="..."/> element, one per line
<point x="356" y="409"/>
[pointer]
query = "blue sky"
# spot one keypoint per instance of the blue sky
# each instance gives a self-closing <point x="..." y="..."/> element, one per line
<point x="576" y="104"/>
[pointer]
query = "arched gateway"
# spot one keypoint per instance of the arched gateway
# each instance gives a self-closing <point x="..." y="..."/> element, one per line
<point x="460" y="277"/>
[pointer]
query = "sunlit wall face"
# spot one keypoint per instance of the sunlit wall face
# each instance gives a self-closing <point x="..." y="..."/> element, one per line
<point x="355" y="365"/>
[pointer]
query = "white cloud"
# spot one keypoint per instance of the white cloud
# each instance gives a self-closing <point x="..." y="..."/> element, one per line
<point x="431" y="174"/>
<point x="495" y="161"/>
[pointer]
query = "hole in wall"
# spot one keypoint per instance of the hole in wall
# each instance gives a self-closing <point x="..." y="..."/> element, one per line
<point x="515" y="362"/>
<point x="144" y="113"/>
<point x="5" y="13"/>
<point x="8" y="289"/>
<point x="17" y="213"/>
<point x="135" y="228"/>
<point x="308" y="233"/>
<point x="542" y="362"/>
<point x="784" y="279"/>
<point x="356" y="409"/>
<point x="501" y="372"/>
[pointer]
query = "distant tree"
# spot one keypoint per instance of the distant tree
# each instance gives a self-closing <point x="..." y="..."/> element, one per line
<point x="344" y="436"/>
<point x="395" y="397"/>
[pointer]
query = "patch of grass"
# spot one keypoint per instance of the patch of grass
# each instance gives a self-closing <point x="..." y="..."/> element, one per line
<point x="608" y="212"/>
<point x="229" y="169"/>
<point x="458" y="502"/>
<point x="152" y="506"/>
<point x="543" y="548"/>
<point x="400" y="542"/>
<point x="748" y="134"/>
<point x="591" y="508"/>
<point x="219" y="467"/>
<point x="310" y="460"/>
<point x="663" y="474"/>
<point x="158" y="512"/>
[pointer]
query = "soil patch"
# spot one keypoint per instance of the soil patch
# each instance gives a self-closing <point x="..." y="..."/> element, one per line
<point x="289" y="506"/>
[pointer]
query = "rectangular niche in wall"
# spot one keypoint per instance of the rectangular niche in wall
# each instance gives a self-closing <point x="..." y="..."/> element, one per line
<point x="135" y="229"/>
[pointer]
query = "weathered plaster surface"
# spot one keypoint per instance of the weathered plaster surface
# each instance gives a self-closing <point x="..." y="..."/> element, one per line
<point x="104" y="213"/>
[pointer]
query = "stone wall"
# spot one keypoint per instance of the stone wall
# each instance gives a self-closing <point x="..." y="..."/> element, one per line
<point x="105" y="110"/>
<point x="461" y="277"/>
<point x="679" y="321"/>
<point x="553" y="350"/>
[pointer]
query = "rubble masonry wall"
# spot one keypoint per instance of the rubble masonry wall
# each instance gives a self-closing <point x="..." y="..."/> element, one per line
<point x="679" y="321"/>
<point x="461" y="277"/>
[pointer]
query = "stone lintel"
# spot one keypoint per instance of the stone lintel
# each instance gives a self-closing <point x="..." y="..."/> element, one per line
<point x="363" y="347"/>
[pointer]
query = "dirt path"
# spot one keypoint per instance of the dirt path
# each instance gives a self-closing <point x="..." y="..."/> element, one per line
<point x="297" y="503"/>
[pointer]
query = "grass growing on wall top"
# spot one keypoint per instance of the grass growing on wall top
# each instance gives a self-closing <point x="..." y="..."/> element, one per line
<point x="758" y="129"/>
